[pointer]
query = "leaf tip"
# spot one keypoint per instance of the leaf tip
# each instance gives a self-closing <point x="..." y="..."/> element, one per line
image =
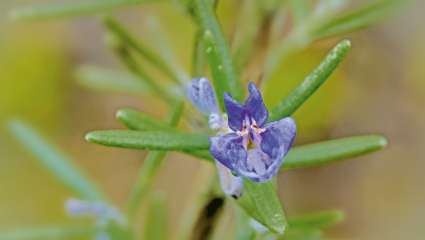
<point x="90" y="137"/>
<point x="120" y="114"/>
<point x="343" y="47"/>
<point x="339" y="216"/>
<point x="382" y="141"/>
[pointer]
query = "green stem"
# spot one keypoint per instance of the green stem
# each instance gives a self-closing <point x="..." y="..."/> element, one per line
<point x="149" y="169"/>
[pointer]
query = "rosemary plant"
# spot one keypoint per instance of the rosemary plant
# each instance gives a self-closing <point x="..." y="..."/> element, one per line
<point x="250" y="143"/>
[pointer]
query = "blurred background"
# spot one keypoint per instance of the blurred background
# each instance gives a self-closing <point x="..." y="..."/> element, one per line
<point x="380" y="88"/>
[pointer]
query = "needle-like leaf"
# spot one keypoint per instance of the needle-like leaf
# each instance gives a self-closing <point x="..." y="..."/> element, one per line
<point x="358" y="18"/>
<point x="322" y="153"/>
<point x="140" y="121"/>
<point x="102" y="79"/>
<point x="55" y="161"/>
<point x="150" y="140"/>
<point x="220" y="59"/>
<point x="156" y="225"/>
<point x="142" y="49"/>
<point x="312" y="82"/>
<point x="261" y="202"/>
<point x="321" y="219"/>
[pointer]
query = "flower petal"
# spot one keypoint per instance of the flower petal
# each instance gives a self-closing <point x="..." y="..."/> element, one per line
<point x="278" y="134"/>
<point x="259" y="166"/>
<point x="263" y="162"/>
<point x="254" y="105"/>
<point x="230" y="184"/>
<point x="228" y="150"/>
<point x="235" y="112"/>
<point x="202" y="95"/>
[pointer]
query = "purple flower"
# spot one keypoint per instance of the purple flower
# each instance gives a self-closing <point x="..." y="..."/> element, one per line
<point x="245" y="145"/>
<point x="252" y="148"/>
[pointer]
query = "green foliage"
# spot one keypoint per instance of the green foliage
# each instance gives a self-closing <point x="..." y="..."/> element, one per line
<point x="318" y="220"/>
<point x="149" y="168"/>
<point x="57" y="163"/>
<point x="312" y="82"/>
<point x="101" y="79"/>
<point x="325" y="152"/>
<point x="303" y="234"/>
<point x="156" y="227"/>
<point x="358" y="18"/>
<point x="219" y="56"/>
<point x="141" y="49"/>
<point x="261" y="202"/>
<point x="136" y="120"/>
<point x="151" y="140"/>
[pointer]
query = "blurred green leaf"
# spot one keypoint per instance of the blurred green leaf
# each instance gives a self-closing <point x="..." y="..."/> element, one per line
<point x="156" y="221"/>
<point x="199" y="56"/>
<point x="244" y="230"/>
<point x="151" y="140"/>
<point x="140" y="121"/>
<point x="358" y="18"/>
<point x="249" y="22"/>
<point x="321" y="153"/>
<point x="150" y="167"/>
<point x="302" y="234"/>
<point x="261" y="202"/>
<point x="300" y="10"/>
<point x="55" y="161"/>
<point x="49" y="232"/>
<point x="126" y="56"/>
<point x="220" y="59"/>
<point x="315" y="220"/>
<point x="103" y="79"/>
<point x="142" y="49"/>
<point x="69" y="9"/>
<point x="311" y="83"/>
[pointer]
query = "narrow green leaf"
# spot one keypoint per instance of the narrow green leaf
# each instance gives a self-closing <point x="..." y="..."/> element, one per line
<point x="220" y="59"/>
<point x="151" y="140"/>
<point x="69" y="9"/>
<point x="321" y="219"/>
<point x="317" y="154"/>
<point x="261" y="202"/>
<point x="127" y="57"/>
<point x="303" y="234"/>
<point x="199" y="56"/>
<point x="142" y="49"/>
<point x="102" y="79"/>
<point x="140" y="121"/>
<point x="312" y="82"/>
<point x="358" y="18"/>
<point x="55" y="161"/>
<point x="49" y="232"/>
<point x="250" y="18"/>
<point x="156" y="224"/>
